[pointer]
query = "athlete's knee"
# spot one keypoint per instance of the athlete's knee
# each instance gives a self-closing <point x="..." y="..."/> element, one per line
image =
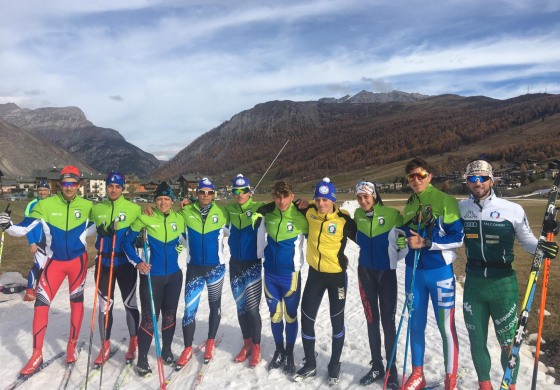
<point x="77" y="297"/>
<point x="276" y="313"/>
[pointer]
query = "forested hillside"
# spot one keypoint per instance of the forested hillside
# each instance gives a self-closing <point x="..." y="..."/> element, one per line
<point x="330" y="138"/>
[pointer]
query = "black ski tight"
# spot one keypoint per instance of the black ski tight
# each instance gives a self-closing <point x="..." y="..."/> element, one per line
<point x="166" y="290"/>
<point x="378" y="289"/>
<point x="126" y="276"/>
<point x="335" y="284"/>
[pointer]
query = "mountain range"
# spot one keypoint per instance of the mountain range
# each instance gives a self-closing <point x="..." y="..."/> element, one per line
<point x="68" y="128"/>
<point x="332" y="137"/>
<point x="364" y="135"/>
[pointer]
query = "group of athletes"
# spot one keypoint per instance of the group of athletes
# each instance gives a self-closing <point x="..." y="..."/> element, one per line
<point x="280" y="236"/>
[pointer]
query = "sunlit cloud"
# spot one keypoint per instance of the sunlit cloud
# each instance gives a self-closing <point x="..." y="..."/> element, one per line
<point x="178" y="69"/>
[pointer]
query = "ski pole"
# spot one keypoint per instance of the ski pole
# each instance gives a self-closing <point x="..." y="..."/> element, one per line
<point x="108" y="302"/>
<point x="267" y="169"/>
<point x="549" y="224"/>
<point x="161" y="373"/>
<point x="390" y="362"/>
<point x="2" y="239"/>
<point x="411" y="300"/>
<point x="97" y="278"/>
<point x="546" y="273"/>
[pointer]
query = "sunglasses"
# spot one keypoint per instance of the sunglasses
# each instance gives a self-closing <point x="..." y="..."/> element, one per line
<point x="205" y="192"/>
<point x="482" y="179"/>
<point x="419" y="176"/>
<point x="240" y="191"/>
<point x="67" y="184"/>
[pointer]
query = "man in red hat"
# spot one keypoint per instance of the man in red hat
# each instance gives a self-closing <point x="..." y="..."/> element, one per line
<point x="65" y="218"/>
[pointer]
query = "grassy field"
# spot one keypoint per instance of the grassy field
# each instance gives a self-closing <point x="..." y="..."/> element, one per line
<point x="16" y="257"/>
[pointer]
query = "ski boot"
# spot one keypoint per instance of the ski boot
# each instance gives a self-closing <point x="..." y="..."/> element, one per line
<point x="167" y="357"/>
<point x="393" y="382"/>
<point x="308" y="370"/>
<point x="277" y="359"/>
<point x="289" y="365"/>
<point x="71" y="351"/>
<point x="486" y="385"/>
<point x="374" y="374"/>
<point x="132" y="346"/>
<point x="255" y="355"/>
<point x="103" y="354"/>
<point x="142" y="367"/>
<point x="34" y="362"/>
<point x="245" y="351"/>
<point x="209" y="350"/>
<point x="416" y="380"/>
<point x="334" y="374"/>
<point x="185" y="357"/>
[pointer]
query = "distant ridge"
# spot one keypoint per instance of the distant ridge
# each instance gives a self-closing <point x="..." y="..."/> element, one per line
<point x="330" y="139"/>
<point x="101" y="148"/>
<point x="383" y="97"/>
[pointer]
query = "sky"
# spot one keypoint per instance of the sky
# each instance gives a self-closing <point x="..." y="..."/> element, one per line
<point x="163" y="72"/>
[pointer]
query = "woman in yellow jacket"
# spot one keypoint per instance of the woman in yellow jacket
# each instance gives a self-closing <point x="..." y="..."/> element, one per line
<point x="329" y="230"/>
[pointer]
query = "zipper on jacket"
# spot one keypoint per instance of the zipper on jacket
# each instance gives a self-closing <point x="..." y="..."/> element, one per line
<point x="240" y="248"/>
<point x="319" y="243"/>
<point x="165" y="242"/>
<point x="203" y="238"/>
<point x="371" y="238"/>
<point x="276" y="242"/>
<point x="67" y="217"/>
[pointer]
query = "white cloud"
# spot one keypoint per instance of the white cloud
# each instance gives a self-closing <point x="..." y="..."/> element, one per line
<point x="163" y="72"/>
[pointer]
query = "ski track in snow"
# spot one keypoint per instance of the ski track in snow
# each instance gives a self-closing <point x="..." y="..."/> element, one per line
<point x="16" y="343"/>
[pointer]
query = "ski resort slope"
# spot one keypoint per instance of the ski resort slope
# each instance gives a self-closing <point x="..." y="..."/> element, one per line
<point x="16" y="342"/>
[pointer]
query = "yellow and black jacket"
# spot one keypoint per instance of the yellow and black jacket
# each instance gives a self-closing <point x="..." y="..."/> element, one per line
<point x="327" y="238"/>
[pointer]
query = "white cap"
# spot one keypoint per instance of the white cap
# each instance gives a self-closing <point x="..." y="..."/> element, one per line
<point x="479" y="167"/>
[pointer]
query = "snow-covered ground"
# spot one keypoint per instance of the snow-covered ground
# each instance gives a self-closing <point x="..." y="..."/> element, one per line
<point x="15" y="345"/>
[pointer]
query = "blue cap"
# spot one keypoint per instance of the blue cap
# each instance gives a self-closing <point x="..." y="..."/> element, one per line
<point x="115" y="178"/>
<point x="241" y="182"/>
<point x="43" y="184"/>
<point x="205" y="183"/>
<point x="325" y="189"/>
<point x="163" y="189"/>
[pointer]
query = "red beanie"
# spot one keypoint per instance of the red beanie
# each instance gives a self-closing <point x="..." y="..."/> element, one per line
<point x="70" y="171"/>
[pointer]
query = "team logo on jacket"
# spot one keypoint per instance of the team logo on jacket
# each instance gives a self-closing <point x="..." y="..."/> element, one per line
<point x="214" y="219"/>
<point x="173" y="226"/>
<point x="77" y="214"/>
<point x="290" y="227"/>
<point x="121" y="217"/>
<point x="495" y="215"/>
<point x="248" y="213"/>
<point x="381" y="221"/>
<point x="331" y="228"/>
<point x="470" y="215"/>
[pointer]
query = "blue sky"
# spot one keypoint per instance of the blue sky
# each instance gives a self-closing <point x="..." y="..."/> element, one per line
<point x="164" y="72"/>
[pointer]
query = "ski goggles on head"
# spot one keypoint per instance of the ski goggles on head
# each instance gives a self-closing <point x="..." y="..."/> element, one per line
<point x="67" y="184"/>
<point x="205" y="192"/>
<point x="482" y="179"/>
<point x="418" y="175"/>
<point x="240" y="191"/>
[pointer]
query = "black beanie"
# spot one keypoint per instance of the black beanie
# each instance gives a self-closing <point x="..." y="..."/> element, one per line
<point x="163" y="190"/>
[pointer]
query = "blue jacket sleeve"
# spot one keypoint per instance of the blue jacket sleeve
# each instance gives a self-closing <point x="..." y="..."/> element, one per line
<point x="129" y="249"/>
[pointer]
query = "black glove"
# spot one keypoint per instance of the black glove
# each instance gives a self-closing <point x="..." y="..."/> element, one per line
<point x="105" y="231"/>
<point x="5" y="220"/>
<point x="550" y="249"/>
<point x="139" y="242"/>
